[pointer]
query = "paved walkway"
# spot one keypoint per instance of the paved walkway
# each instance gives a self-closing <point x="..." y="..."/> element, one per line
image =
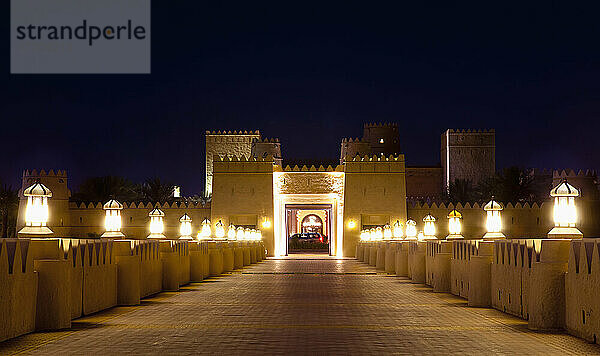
<point x="299" y="306"/>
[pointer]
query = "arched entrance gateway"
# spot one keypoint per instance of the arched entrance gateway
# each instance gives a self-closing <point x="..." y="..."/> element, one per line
<point x="280" y="201"/>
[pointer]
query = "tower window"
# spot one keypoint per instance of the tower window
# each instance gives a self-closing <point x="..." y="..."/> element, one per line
<point x="380" y="140"/>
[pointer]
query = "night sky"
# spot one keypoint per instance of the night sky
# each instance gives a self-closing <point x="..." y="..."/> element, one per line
<point x="311" y="74"/>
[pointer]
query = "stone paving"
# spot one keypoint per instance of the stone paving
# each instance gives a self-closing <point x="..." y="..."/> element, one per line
<point x="300" y="306"/>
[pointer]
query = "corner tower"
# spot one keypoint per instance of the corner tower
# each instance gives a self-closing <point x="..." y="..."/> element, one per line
<point x="468" y="154"/>
<point x="379" y="139"/>
<point x="226" y="143"/>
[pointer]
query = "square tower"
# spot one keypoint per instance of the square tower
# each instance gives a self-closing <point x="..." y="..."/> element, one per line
<point x="468" y="154"/>
<point x="226" y="143"/>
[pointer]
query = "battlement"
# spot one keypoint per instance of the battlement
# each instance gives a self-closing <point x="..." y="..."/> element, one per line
<point x="381" y="124"/>
<point x="570" y="173"/>
<point x="354" y="140"/>
<point x="241" y="158"/>
<point x="472" y="131"/>
<point x="44" y="173"/>
<point x="143" y="205"/>
<point x="469" y="205"/>
<point x="234" y="132"/>
<point x="265" y="140"/>
<point x="312" y="168"/>
<point x="376" y="158"/>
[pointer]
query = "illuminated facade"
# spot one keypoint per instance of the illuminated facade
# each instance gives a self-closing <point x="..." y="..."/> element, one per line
<point x="369" y="188"/>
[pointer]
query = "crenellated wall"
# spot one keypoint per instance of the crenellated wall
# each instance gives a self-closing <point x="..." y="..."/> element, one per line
<point x="551" y="283"/>
<point x="47" y="283"/>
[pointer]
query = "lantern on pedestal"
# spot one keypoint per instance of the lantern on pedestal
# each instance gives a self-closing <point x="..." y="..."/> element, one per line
<point x="185" y="227"/>
<point x="112" y="220"/>
<point x="387" y="232"/>
<point x="429" y="227"/>
<point x="205" y="231"/>
<point x="454" y="225"/>
<point x="411" y="230"/>
<point x="493" y="222"/>
<point x="36" y="211"/>
<point x="240" y="235"/>
<point x="157" y="226"/>
<point x="219" y="230"/>
<point x="231" y="232"/>
<point x="378" y="233"/>
<point x="565" y="212"/>
<point x="398" y="233"/>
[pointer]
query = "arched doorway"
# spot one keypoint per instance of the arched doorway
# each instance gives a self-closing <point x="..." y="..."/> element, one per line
<point x="312" y="223"/>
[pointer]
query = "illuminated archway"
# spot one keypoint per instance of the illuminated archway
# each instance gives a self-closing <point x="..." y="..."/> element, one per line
<point x="312" y="223"/>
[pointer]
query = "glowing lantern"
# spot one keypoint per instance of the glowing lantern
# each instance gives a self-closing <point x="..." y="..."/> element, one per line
<point x="259" y="235"/>
<point x="454" y="225"/>
<point x="429" y="227"/>
<point x="362" y="235"/>
<point x="240" y="235"/>
<point x="411" y="230"/>
<point x="421" y="236"/>
<point x="372" y="234"/>
<point x="398" y="230"/>
<point x="205" y="231"/>
<point x="219" y="230"/>
<point x="378" y="233"/>
<point x="36" y="212"/>
<point x="493" y="222"/>
<point x="231" y="232"/>
<point x="157" y="226"/>
<point x="387" y="232"/>
<point x="176" y="192"/>
<point x="112" y="220"/>
<point x="266" y="223"/>
<point x="351" y="224"/>
<point x="247" y="234"/>
<point x="185" y="227"/>
<point x="565" y="212"/>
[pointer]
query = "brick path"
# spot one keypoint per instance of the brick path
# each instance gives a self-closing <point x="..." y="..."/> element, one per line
<point x="300" y="306"/>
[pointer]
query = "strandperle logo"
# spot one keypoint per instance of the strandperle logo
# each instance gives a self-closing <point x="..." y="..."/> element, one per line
<point x="80" y="36"/>
<point x="89" y="33"/>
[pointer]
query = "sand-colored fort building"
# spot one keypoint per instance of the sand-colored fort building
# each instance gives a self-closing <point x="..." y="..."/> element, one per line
<point x="370" y="186"/>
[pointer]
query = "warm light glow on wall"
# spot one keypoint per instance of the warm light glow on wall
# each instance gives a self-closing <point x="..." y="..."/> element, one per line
<point x="36" y="210"/>
<point x="411" y="229"/>
<point x="565" y="211"/>
<point x="185" y="227"/>
<point x="398" y="233"/>
<point x="157" y="226"/>
<point x="429" y="227"/>
<point x="266" y="223"/>
<point x="205" y="231"/>
<point x="387" y="232"/>
<point x="231" y="232"/>
<point x="219" y="230"/>
<point x="351" y="224"/>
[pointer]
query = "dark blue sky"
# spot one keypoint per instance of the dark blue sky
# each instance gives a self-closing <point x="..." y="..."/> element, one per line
<point x="312" y="73"/>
